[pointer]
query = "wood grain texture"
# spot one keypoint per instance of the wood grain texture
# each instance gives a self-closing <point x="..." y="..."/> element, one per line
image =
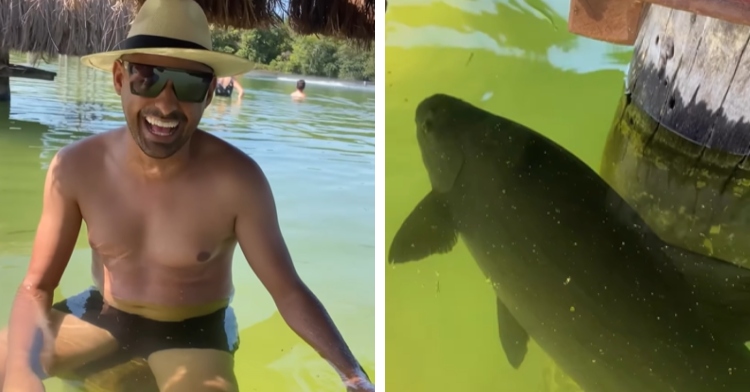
<point x="690" y="74"/>
<point x="734" y="11"/>
<point x="618" y="21"/>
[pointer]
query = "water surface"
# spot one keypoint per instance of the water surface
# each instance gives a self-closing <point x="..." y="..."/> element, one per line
<point x="319" y="158"/>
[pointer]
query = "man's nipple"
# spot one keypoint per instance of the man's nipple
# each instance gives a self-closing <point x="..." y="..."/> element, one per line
<point x="203" y="256"/>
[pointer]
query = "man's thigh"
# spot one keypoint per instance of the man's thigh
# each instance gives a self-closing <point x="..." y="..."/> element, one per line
<point x="71" y="343"/>
<point x="193" y="370"/>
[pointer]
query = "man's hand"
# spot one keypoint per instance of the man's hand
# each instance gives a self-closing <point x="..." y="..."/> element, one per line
<point x="359" y="384"/>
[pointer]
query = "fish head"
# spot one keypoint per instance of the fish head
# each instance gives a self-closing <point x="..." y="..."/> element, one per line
<point x="441" y="123"/>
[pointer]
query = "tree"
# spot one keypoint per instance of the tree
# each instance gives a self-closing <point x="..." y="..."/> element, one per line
<point x="278" y="48"/>
<point x="264" y="46"/>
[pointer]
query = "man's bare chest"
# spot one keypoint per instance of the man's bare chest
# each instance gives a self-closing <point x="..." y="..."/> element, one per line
<point x="171" y="229"/>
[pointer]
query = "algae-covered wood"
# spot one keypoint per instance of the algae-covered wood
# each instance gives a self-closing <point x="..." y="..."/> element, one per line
<point x="678" y="146"/>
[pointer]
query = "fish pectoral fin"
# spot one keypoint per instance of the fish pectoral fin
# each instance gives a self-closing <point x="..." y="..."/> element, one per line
<point x="722" y="289"/>
<point x="513" y="337"/>
<point x="428" y="230"/>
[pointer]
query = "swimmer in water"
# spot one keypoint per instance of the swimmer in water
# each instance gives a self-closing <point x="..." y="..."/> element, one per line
<point x="226" y="85"/>
<point x="299" y="93"/>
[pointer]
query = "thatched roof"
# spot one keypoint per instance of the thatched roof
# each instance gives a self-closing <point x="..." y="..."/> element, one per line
<point x="79" y="27"/>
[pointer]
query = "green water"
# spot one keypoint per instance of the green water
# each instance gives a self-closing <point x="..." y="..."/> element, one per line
<point x="319" y="158"/>
<point x="516" y="59"/>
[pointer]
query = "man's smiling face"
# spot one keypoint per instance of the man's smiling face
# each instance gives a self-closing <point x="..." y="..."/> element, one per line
<point x="161" y="125"/>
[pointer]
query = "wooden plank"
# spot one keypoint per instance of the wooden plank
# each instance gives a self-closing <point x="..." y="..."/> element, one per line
<point x="733" y="11"/>
<point x="615" y="21"/>
<point x="4" y="80"/>
<point x="618" y="21"/>
<point x="21" y="71"/>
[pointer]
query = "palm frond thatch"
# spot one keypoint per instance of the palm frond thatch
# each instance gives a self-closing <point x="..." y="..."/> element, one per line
<point x="241" y="14"/>
<point x="70" y="27"/>
<point x="79" y="27"/>
<point x="344" y="18"/>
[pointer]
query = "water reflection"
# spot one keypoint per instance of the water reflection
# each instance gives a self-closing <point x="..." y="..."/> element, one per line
<point x="534" y="30"/>
<point x="21" y="146"/>
<point x="573" y="266"/>
<point x="289" y="365"/>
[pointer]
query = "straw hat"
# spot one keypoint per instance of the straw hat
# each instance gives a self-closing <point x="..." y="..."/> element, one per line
<point x="174" y="28"/>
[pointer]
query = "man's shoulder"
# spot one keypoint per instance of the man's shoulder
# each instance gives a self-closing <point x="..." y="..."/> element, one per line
<point x="77" y="161"/>
<point x="84" y="153"/>
<point x="237" y="169"/>
<point x="226" y="158"/>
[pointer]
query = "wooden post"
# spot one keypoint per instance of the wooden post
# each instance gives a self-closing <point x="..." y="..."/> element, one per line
<point x="4" y="81"/>
<point x="679" y="144"/>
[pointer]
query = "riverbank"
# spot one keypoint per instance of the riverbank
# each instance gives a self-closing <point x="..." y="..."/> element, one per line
<point x="32" y="60"/>
<point x="310" y="80"/>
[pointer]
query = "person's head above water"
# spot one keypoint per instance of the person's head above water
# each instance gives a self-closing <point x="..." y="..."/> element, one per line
<point x="301" y="85"/>
<point x="165" y="73"/>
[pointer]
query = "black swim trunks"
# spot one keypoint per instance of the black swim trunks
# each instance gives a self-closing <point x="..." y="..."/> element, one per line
<point x="140" y="337"/>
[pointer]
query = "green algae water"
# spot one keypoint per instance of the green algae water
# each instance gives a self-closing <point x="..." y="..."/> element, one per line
<point x="319" y="158"/>
<point x="516" y="59"/>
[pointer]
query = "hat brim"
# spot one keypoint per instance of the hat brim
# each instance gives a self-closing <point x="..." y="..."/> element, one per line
<point x="223" y="64"/>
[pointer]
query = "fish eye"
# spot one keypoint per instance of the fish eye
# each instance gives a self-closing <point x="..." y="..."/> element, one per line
<point x="428" y="122"/>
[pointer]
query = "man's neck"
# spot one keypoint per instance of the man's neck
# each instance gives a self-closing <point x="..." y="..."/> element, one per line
<point x="149" y="168"/>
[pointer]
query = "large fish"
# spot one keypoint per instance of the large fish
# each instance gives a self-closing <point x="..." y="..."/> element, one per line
<point x="573" y="266"/>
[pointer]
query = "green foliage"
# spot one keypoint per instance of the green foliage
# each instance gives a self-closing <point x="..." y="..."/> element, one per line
<point x="280" y="49"/>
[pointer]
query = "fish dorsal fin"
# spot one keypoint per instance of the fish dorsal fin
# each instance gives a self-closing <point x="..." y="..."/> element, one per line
<point x="428" y="230"/>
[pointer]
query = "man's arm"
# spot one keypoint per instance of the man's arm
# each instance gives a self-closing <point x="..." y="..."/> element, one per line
<point x="56" y="236"/>
<point x="260" y="239"/>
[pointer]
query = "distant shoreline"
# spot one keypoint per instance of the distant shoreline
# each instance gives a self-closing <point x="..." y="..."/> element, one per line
<point x="311" y="80"/>
<point x="268" y="72"/>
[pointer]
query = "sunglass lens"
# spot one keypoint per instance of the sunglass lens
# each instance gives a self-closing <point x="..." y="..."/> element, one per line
<point x="190" y="87"/>
<point x="149" y="81"/>
<point x="146" y="80"/>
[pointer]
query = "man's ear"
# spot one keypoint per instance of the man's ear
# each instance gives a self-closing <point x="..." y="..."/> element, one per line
<point x="118" y="76"/>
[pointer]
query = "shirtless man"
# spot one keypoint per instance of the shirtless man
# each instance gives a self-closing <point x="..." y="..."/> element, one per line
<point x="165" y="205"/>
<point x="299" y="93"/>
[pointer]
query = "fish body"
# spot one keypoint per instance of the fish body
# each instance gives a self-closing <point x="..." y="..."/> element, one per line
<point x="573" y="266"/>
